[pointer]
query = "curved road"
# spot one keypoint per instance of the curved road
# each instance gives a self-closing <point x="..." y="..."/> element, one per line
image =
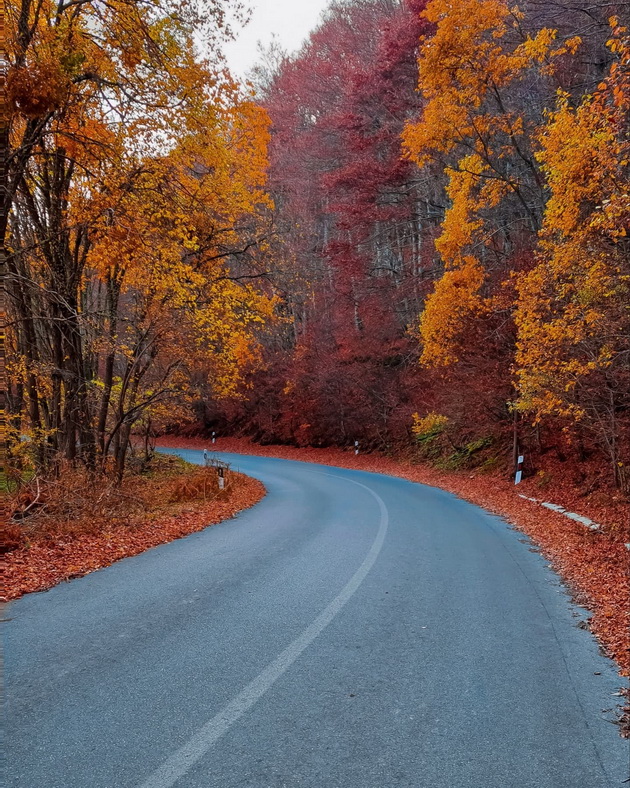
<point x="351" y="631"/>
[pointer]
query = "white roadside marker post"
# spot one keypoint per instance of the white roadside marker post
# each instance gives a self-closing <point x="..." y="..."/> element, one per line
<point x="214" y="437"/>
<point x="519" y="469"/>
<point x="356" y="447"/>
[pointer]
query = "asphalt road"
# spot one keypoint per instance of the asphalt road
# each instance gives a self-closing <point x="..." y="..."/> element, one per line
<point x="350" y="631"/>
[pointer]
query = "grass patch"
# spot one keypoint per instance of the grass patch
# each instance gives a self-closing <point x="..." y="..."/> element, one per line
<point x="81" y="522"/>
<point x="79" y="502"/>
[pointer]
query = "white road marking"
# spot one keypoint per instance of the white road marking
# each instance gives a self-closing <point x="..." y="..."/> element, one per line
<point x="561" y="510"/>
<point x="183" y="759"/>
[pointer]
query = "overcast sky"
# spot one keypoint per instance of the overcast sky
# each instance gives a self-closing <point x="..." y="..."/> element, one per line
<point x="290" y="20"/>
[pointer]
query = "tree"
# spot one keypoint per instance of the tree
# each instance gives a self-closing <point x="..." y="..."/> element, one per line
<point x="573" y="309"/>
<point x="352" y="219"/>
<point x="135" y="177"/>
<point x="474" y="78"/>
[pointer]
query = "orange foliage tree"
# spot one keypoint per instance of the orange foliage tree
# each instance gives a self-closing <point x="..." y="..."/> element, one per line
<point x="533" y="246"/>
<point x="474" y="71"/>
<point x="573" y="308"/>
<point x="135" y="189"/>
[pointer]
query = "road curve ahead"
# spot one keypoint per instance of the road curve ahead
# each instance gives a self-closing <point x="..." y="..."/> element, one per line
<point x="351" y="631"/>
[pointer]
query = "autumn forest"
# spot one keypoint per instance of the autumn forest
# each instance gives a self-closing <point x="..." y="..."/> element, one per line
<point x="315" y="385"/>
<point x="412" y="233"/>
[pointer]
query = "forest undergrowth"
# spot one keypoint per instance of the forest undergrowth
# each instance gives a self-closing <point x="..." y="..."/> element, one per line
<point x="68" y="527"/>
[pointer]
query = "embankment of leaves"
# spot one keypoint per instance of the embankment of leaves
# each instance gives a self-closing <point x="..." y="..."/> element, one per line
<point x="78" y="526"/>
<point x="594" y="564"/>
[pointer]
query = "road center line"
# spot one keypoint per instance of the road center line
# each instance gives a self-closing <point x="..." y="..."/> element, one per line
<point x="183" y="759"/>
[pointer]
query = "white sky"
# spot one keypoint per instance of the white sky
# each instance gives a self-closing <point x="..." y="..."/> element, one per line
<point x="290" y="20"/>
